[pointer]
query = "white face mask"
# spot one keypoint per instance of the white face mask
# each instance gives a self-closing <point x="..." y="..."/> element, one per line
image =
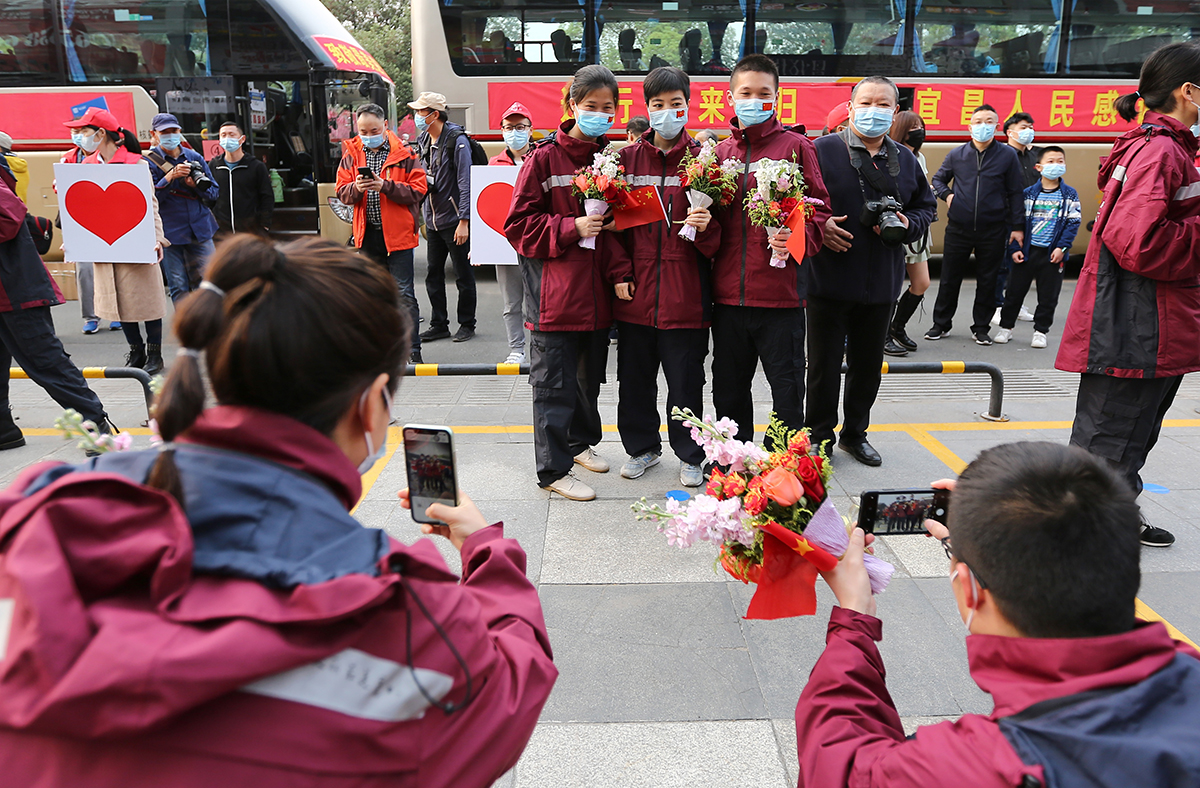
<point x="974" y="594"/>
<point x="374" y="455"/>
<point x="1195" y="126"/>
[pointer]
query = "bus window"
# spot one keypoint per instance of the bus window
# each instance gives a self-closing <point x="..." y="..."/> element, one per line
<point x="27" y="43"/>
<point x="157" y="38"/>
<point x="848" y="38"/>
<point x="637" y="36"/>
<point x="1112" y="37"/>
<point x="1008" y="38"/>
<point x="520" y="37"/>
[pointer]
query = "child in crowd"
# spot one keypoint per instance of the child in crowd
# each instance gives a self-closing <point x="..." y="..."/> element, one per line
<point x="1052" y="216"/>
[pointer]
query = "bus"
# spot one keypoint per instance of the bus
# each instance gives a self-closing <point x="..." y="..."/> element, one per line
<point x="1064" y="63"/>
<point x="286" y="69"/>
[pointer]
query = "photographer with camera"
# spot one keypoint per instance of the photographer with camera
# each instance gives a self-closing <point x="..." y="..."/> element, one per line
<point x="186" y="191"/>
<point x="880" y="200"/>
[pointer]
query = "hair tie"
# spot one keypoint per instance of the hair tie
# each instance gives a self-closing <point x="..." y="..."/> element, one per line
<point x="207" y="285"/>
<point x="1137" y="94"/>
<point x="187" y="351"/>
<point x="166" y="446"/>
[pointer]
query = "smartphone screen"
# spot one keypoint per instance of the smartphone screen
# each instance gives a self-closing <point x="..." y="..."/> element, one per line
<point x="901" y="511"/>
<point x="429" y="457"/>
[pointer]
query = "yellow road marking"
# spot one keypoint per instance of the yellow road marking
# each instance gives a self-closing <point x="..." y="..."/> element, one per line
<point x="1146" y="613"/>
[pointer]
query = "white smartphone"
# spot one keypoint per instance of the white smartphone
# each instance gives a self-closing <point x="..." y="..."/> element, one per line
<point x="432" y="471"/>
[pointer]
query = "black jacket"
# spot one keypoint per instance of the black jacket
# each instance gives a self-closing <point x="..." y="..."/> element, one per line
<point x="988" y="186"/>
<point x="1028" y="158"/>
<point x="247" y="204"/>
<point x="24" y="281"/>
<point x="870" y="272"/>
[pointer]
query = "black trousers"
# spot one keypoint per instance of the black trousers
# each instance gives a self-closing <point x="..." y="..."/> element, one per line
<point x="1049" y="277"/>
<point x="741" y="336"/>
<point x="681" y="353"/>
<point x="441" y="244"/>
<point x="566" y="369"/>
<point x="28" y="336"/>
<point x="861" y="329"/>
<point x="400" y="265"/>
<point x="988" y="244"/>
<point x="1119" y="419"/>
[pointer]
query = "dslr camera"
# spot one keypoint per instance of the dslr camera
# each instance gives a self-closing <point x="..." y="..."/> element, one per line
<point x="881" y="213"/>
<point x="201" y="180"/>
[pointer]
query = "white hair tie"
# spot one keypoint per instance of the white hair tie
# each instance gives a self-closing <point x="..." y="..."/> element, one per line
<point x="207" y="285"/>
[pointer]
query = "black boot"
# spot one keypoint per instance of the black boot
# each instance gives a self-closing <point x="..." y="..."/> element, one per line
<point x="154" y="360"/>
<point x="10" y="434"/>
<point x="905" y="307"/>
<point x="137" y="357"/>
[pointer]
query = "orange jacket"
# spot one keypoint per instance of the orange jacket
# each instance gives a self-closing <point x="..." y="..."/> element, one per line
<point x="403" y="185"/>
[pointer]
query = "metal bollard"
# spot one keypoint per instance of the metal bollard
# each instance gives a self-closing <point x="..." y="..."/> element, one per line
<point x="996" y="400"/>
<point x="111" y="373"/>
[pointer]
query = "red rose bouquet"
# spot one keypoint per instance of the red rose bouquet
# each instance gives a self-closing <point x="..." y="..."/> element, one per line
<point x="600" y="185"/>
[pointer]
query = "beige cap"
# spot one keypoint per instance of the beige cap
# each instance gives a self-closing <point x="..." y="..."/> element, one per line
<point x="429" y="101"/>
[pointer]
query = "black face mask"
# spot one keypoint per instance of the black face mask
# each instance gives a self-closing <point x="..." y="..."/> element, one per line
<point x="916" y="138"/>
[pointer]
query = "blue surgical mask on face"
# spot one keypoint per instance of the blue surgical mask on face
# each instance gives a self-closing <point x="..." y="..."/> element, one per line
<point x="374" y="455"/>
<point x="170" y="141"/>
<point x="669" y="122"/>
<point x="593" y="124"/>
<point x="983" y="132"/>
<point x="230" y="144"/>
<point x="751" y="112"/>
<point x="516" y="139"/>
<point x="1054" y="171"/>
<point x="1025" y="136"/>
<point x="372" y="140"/>
<point x="422" y="124"/>
<point x="76" y="137"/>
<point x="873" y="121"/>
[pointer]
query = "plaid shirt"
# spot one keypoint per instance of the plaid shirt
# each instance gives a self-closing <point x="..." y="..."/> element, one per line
<point x="375" y="159"/>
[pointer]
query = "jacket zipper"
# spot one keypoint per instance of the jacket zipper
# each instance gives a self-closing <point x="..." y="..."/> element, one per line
<point x="978" y="170"/>
<point x="658" y="283"/>
<point x="745" y="231"/>
<point x="232" y="218"/>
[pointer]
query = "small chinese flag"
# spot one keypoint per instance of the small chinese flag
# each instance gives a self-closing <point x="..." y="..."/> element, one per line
<point x="796" y="242"/>
<point x="644" y="206"/>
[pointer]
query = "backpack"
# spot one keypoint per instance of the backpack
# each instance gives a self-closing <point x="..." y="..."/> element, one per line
<point x="1145" y="734"/>
<point x="479" y="156"/>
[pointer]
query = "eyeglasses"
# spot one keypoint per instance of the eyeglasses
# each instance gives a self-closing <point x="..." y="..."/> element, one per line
<point x="945" y="540"/>
<point x="526" y="127"/>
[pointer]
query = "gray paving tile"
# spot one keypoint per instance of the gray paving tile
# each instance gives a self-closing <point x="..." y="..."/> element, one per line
<point x="920" y="556"/>
<point x="785" y="739"/>
<point x="1173" y="596"/>
<point x="653" y="755"/>
<point x="648" y="652"/>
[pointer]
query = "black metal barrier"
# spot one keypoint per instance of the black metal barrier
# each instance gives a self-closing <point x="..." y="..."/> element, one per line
<point x="111" y="373"/>
<point x="994" y="411"/>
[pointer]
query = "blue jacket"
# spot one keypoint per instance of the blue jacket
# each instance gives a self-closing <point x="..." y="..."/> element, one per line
<point x="185" y="218"/>
<point x="449" y="175"/>
<point x="987" y="186"/>
<point x="1069" y="216"/>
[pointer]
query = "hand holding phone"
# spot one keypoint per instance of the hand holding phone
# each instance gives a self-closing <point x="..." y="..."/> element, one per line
<point x="455" y="523"/>
<point x="894" y="512"/>
<point x="430" y="463"/>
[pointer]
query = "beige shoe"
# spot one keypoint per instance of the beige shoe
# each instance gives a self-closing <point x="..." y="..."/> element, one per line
<point x="571" y="488"/>
<point x="592" y="461"/>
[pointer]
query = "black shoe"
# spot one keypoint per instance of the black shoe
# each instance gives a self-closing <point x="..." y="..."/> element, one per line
<point x="863" y="452"/>
<point x="1150" y="536"/>
<point x="901" y="338"/>
<point x="415" y="358"/>
<point x="982" y="338"/>
<point x="436" y="332"/>
<point x="934" y="334"/>
<point x="11" y="436"/>
<point x="154" y="360"/>
<point x="464" y="334"/>
<point x="892" y="348"/>
<point x="136" y="358"/>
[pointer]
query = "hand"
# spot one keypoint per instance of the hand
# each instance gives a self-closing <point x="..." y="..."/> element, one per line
<point x="849" y="580"/>
<point x="589" y="226"/>
<point x="625" y="291"/>
<point x="158" y="251"/>
<point x="1017" y="237"/>
<point x="698" y="218"/>
<point x="939" y="530"/>
<point x="180" y="171"/>
<point x="779" y="241"/>
<point x="1018" y="256"/>
<point x="460" y="521"/>
<point x="836" y="238"/>
<point x="903" y="220"/>
<point x="188" y="182"/>
<point x="1057" y="256"/>
<point x="949" y="200"/>
<point x="462" y="231"/>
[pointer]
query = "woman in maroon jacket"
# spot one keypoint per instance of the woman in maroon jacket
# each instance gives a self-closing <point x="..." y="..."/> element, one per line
<point x="568" y="289"/>
<point x="1133" y="331"/>
<point x="663" y="315"/>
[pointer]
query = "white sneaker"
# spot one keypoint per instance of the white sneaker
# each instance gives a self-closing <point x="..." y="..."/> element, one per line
<point x="1025" y="315"/>
<point x="634" y="467"/>
<point x="691" y="475"/>
<point x="1039" y="340"/>
<point x="515" y="357"/>
<point x="592" y="461"/>
<point x="1002" y="336"/>
<point x="571" y="488"/>
<point x="996" y="317"/>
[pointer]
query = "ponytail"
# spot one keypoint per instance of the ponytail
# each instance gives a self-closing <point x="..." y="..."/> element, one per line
<point x="129" y="142"/>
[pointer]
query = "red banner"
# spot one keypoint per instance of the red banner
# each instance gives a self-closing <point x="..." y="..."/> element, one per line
<point x="350" y="57"/>
<point x="1058" y="111"/>
<point x="37" y="116"/>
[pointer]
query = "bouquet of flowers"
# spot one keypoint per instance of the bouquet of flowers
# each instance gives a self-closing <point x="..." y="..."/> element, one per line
<point x="769" y="513"/>
<point x="779" y="191"/>
<point x="708" y="181"/>
<point x="601" y="184"/>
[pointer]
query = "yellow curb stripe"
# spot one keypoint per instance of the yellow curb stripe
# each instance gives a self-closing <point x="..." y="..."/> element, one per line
<point x="1146" y="613"/>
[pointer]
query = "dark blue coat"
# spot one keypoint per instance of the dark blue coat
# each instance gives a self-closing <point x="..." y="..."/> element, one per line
<point x="448" y="200"/>
<point x="185" y="218"/>
<point x="988" y="186"/>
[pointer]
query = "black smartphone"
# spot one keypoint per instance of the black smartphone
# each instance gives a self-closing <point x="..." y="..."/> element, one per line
<point x="432" y="472"/>
<point x="901" y="511"/>
<point x="365" y="172"/>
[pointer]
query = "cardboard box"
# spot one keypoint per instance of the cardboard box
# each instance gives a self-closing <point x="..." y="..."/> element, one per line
<point x="64" y="276"/>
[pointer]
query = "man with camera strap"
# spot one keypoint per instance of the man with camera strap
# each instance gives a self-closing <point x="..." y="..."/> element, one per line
<point x="880" y="200"/>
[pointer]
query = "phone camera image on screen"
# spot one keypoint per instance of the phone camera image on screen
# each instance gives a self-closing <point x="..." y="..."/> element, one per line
<point x="430" y="468"/>
<point x="905" y="513"/>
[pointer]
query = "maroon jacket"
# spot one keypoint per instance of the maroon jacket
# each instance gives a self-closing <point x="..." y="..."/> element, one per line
<point x="849" y="732"/>
<point x="742" y="272"/>
<point x="1136" y="310"/>
<point x="567" y="287"/>
<point x="671" y="275"/>
<point x="128" y="666"/>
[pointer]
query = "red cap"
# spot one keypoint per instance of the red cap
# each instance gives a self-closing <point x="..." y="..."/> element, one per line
<point x="99" y="118"/>
<point x="837" y="116"/>
<point x="517" y="108"/>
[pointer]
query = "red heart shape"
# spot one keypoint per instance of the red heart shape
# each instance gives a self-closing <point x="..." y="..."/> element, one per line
<point x="106" y="213"/>
<point x="493" y="205"/>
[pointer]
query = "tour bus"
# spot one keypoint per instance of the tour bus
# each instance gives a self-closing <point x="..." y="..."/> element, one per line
<point x="286" y="69"/>
<point x="1064" y="63"/>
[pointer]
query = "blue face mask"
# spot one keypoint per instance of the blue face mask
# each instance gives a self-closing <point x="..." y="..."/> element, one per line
<point x="170" y="141"/>
<point x="983" y="132"/>
<point x="751" y="112"/>
<point x="669" y="122"/>
<point x="516" y="139"/>
<point x="77" y="139"/>
<point x="1054" y="171"/>
<point x="372" y="140"/>
<point x="422" y="124"/>
<point x="230" y="144"/>
<point x="873" y="121"/>
<point x="1025" y="136"/>
<point x="593" y="124"/>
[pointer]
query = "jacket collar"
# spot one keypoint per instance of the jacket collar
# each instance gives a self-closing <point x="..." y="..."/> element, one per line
<point x="756" y="134"/>
<point x="1019" y="672"/>
<point x="684" y="143"/>
<point x="1175" y="128"/>
<point x="280" y="439"/>
<point x="578" y="151"/>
